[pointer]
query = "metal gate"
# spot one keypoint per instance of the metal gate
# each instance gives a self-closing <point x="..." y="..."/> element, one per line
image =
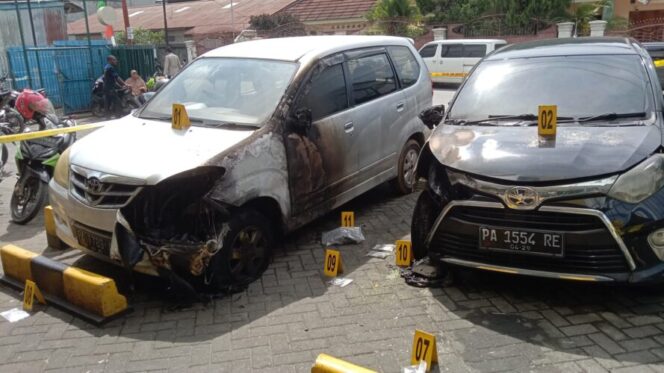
<point x="70" y="67"/>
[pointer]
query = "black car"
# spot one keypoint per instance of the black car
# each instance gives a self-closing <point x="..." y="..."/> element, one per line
<point x="586" y="205"/>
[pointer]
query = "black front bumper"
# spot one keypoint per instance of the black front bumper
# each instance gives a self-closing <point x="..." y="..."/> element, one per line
<point x="594" y="249"/>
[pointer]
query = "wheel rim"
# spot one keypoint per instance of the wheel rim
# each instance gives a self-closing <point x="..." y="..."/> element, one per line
<point x="26" y="199"/>
<point x="409" y="167"/>
<point x="248" y="253"/>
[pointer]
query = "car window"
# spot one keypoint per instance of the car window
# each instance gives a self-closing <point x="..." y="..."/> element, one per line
<point x="474" y="50"/>
<point x="372" y="77"/>
<point x="406" y="65"/>
<point x="617" y="84"/>
<point x="499" y="45"/>
<point x="428" y="51"/>
<point x="327" y="94"/>
<point x="451" y="50"/>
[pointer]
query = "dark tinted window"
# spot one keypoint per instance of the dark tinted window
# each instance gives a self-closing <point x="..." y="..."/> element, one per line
<point x="372" y="77"/>
<point x="474" y="50"/>
<point x="406" y="65"/>
<point x="498" y="46"/>
<point x="428" y="51"/>
<point x="451" y="50"/>
<point x="616" y="84"/>
<point x="327" y="94"/>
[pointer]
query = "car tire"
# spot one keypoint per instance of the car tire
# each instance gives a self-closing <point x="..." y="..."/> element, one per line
<point x="424" y="216"/>
<point x="406" y="179"/>
<point x="247" y="243"/>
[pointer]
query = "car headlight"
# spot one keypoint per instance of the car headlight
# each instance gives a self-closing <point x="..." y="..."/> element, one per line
<point x="640" y="182"/>
<point x="61" y="173"/>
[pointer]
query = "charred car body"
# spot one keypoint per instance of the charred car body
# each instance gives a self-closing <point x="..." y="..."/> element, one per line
<point x="587" y="205"/>
<point x="283" y="130"/>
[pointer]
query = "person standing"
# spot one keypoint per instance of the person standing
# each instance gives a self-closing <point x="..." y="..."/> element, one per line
<point x="112" y="81"/>
<point x="171" y="63"/>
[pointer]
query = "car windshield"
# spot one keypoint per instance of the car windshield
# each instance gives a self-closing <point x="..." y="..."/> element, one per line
<point x="581" y="86"/>
<point x="224" y="90"/>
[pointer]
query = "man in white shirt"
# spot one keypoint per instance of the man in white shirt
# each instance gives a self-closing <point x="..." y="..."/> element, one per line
<point x="171" y="63"/>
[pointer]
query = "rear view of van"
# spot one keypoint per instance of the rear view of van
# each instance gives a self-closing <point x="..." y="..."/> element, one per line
<point x="449" y="61"/>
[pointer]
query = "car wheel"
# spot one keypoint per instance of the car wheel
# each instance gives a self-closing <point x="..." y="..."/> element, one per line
<point x="246" y="250"/>
<point x="405" y="181"/>
<point x="424" y="216"/>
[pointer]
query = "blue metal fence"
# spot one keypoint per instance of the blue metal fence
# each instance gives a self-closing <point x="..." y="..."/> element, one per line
<point x="68" y="73"/>
<point x="66" y="70"/>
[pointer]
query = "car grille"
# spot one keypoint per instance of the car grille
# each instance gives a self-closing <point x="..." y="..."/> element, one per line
<point x="105" y="195"/>
<point x="589" y="247"/>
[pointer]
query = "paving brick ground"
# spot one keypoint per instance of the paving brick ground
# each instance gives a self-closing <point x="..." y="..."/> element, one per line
<point x="483" y="322"/>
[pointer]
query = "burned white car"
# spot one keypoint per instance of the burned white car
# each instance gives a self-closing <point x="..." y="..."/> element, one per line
<point x="282" y="131"/>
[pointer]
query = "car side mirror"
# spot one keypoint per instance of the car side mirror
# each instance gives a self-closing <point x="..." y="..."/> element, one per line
<point x="432" y="116"/>
<point x="301" y="120"/>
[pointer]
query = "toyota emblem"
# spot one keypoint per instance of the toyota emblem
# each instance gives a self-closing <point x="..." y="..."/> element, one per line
<point x="94" y="185"/>
<point x="522" y="198"/>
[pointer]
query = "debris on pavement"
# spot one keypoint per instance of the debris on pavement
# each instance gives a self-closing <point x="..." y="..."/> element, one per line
<point x="340" y="281"/>
<point x="378" y="254"/>
<point x="14" y="315"/>
<point x="420" y="368"/>
<point x="387" y="248"/>
<point x="423" y="274"/>
<point x="343" y="236"/>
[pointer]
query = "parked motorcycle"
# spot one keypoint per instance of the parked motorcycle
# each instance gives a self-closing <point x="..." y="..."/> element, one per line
<point x="35" y="162"/>
<point x="127" y="101"/>
<point x="8" y="114"/>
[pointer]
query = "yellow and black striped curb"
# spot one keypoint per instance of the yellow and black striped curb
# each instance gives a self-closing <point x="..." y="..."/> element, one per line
<point x="93" y="297"/>
<point x="328" y="364"/>
<point x="47" y="133"/>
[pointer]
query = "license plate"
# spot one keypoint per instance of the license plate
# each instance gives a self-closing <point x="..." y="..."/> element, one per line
<point x="521" y="241"/>
<point x="93" y="241"/>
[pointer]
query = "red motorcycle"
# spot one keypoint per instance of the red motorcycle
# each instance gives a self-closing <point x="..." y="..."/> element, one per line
<point x="35" y="106"/>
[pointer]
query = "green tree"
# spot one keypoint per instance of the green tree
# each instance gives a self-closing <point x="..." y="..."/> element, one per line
<point x="396" y="17"/>
<point x="142" y="36"/>
<point x="275" y="25"/>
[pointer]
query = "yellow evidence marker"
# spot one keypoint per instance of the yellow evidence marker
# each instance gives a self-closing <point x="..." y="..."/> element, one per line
<point x="332" y="263"/>
<point x="547" y="121"/>
<point x="424" y="348"/>
<point x="30" y="293"/>
<point x="347" y="219"/>
<point x="180" y="118"/>
<point x="403" y="253"/>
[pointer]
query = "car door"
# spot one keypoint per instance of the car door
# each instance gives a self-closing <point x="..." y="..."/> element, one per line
<point x="451" y="63"/>
<point x="322" y="158"/>
<point x="430" y="55"/>
<point x="472" y="54"/>
<point x="378" y="105"/>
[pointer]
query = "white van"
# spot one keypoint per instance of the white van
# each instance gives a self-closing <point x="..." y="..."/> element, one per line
<point x="449" y="61"/>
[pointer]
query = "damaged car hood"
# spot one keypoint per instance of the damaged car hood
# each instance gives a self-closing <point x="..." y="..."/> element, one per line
<point x="151" y="150"/>
<point x="517" y="154"/>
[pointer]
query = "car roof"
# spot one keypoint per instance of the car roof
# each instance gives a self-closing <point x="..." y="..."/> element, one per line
<point x="295" y="48"/>
<point x="566" y="47"/>
<point x="466" y="41"/>
<point x="653" y="46"/>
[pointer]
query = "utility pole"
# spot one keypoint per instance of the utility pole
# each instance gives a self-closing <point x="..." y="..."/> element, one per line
<point x="232" y="21"/>
<point x="125" y="16"/>
<point x="163" y="5"/>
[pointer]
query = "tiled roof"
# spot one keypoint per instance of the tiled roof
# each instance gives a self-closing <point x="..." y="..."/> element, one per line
<point x="328" y="10"/>
<point x="198" y="17"/>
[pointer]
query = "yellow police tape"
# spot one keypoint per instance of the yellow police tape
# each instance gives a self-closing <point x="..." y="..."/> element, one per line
<point x="328" y="364"/>
<point x="47" y="133"/>
<point x="659" y="63"/>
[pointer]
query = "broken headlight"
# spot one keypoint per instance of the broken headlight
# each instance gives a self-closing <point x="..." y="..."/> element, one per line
<point x="437" y="179"/>
<point x="61" y="173"/>
<point x="640" y="182"/>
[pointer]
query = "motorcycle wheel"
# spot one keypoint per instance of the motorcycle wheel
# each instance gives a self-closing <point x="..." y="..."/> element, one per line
<point x="97" y="109"/>
<point x="31" y="200"/>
